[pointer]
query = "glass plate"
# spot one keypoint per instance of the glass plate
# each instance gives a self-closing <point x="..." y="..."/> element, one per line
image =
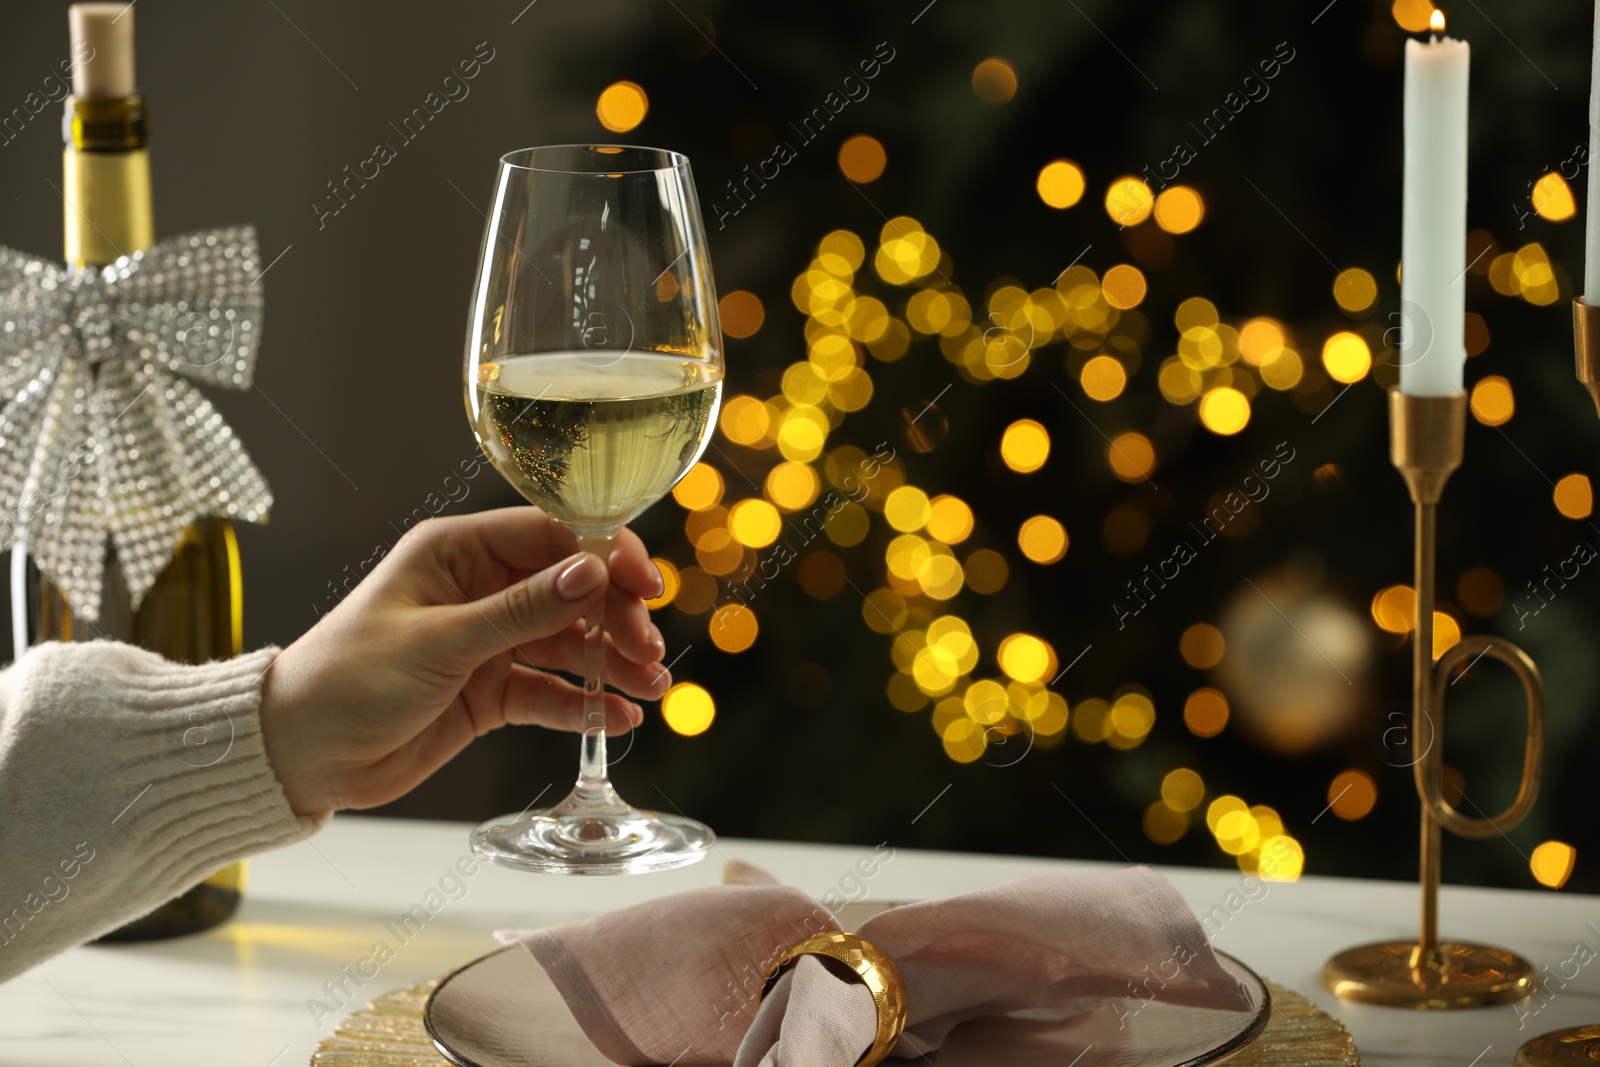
<point x="503" y="1011"/>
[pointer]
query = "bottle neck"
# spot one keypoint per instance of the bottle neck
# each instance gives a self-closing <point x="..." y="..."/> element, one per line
<point x="107" y="211"/>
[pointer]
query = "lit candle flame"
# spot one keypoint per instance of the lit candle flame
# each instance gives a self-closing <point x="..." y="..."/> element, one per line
<point x="1436" y="21"/>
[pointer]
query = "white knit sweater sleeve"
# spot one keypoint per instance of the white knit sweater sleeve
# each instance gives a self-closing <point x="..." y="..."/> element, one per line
<point x="124" y="780"/>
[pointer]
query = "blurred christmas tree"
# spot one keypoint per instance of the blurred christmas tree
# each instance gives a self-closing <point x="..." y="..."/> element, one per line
<point x="1050" y="510"/>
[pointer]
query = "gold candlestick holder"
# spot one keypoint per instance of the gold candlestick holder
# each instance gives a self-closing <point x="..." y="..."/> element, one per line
<point x="1577" y="1045"/>
<point x="1426" y="438"/>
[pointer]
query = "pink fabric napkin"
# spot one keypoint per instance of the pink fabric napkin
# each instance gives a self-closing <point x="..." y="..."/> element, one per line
<point x="678" y="980"/>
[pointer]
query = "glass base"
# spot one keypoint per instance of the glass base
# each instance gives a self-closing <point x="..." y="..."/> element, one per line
<point x="593" y="832"/>
<point x="1577" y="1047"/>
<point x="1463" y="975"/>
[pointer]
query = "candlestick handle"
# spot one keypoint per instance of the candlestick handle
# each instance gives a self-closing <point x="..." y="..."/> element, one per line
<point x="1430" y="769"/>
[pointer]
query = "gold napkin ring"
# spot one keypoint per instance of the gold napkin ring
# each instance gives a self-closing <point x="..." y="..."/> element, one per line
<point x="875" y="969"/>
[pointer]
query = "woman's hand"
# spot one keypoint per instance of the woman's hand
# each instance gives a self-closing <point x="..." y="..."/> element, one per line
<point x="432" y="650"/>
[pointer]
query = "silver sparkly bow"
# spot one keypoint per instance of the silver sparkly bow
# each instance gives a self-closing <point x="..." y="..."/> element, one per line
<point x="100" y="433"/>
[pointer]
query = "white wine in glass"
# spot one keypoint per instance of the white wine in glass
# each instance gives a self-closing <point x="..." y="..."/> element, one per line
<point x="593" y="376"/>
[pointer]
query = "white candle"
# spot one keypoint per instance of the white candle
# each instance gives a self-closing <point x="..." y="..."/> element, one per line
<point x="1591" y="206"/>
<point x="1433" y="243"/>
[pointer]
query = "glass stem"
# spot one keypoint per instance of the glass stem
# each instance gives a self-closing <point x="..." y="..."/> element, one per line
<point x="592" y="762"/>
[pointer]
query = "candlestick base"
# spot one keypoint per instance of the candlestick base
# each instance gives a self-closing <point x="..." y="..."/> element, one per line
<point x="1586" y="346"/>
<point x="1460" y="975"/>
<point x="1577" y="1047"/>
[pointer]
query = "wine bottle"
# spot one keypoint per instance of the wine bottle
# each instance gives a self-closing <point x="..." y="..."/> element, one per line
<point x="192" y="613"/>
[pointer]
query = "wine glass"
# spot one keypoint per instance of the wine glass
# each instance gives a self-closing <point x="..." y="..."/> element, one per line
<point x="593" y="377"/>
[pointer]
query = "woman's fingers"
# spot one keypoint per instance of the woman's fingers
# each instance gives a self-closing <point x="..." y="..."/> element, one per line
<point x="535" y="698"/>
<point x="631" y="568"/>
<point x="524" y="611"/>
<point x="628" y="624"/>
<point x="565" y="652"/>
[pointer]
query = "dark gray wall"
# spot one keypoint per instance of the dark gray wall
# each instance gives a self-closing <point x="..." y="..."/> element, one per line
<point x="255" y="106"/>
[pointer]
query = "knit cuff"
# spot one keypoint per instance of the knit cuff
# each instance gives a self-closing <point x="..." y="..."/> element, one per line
<point x="193" y="789"/>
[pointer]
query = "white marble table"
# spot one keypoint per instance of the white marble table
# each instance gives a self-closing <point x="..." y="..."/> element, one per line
<point x="246" y="994"/>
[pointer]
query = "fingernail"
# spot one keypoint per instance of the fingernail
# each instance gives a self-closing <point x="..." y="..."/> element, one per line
<point x="657" y="642"/>
<point x="580" y="577"/>
<point x="638" y="714"/>
<point x="661" y="581"/>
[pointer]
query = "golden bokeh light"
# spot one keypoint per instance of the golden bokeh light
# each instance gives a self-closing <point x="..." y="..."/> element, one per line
<point x="741" y="313"/>
<point x="745" y="421"/>
<point x="1183" y="789"/>
<point x="1123" y="286"/>
<point x="862" y="159"/>
<point x="1179" y="382"/>
<point x="1205" y="713"/>
<point x="1346" y="357"/>
<point x="883" y="610"/>
<point x="965" y="740"/>
<point x="1195" y="313"/>
<point x="1552" y="198"/>
<point x="841" y="253"/>
<point x="733" y="628"/>
<point x="1533" y="275"/>
<point x="1202" y="646"/>
<point x="1132" y="456"/>
<point x="941" y="576"/>
<point x="849" y="526"/>
<point x="1281" y="859"/>
<point x="802" y="431"/>
<point x="1224" y="410"/>
<point x="1446" y="633"/>
<point x="1260" y="339"/>
<point x="755" y="523"/>
<point x="718" y="551"/>
<point x="1132" y="717"/>
<point x="1413" y="16"/>
<point x="1394" y="609"/>
<point x="622" y="106"/>
<point x="697" y="591"/>
<point x="1162" y="825"/>
<point x="701" y="488"/>
<point x="669" y="583"/>
<point x="1042" y="539"/>
<point x="950" y="520"/>
<point x="1060" y="183"/>
<point x="1481" y="591"/>
<point x="1352" y="794"/>
<point x="987" y="571"/>
<point x="994" y="80"/>
<point x="688" y="709"/>
<point x="1552" y="863"/>
<point x="1283" y="370"/>
<point x="1574" y="496"/>
<point x="1492" y="401"/>
<point x="907" y="509"/>
<point x="1129" y="201"/>
<point x="1355" y="290"/>
<point x="1025" y="446"/>
<point x="1046" y="712"/>
<point x="1179" y="209"/>
<point x="1103" y="378"/>
<point x="906" y="252"/>
<point x="793" y="486"/>
<point x="1028" y="659"/>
